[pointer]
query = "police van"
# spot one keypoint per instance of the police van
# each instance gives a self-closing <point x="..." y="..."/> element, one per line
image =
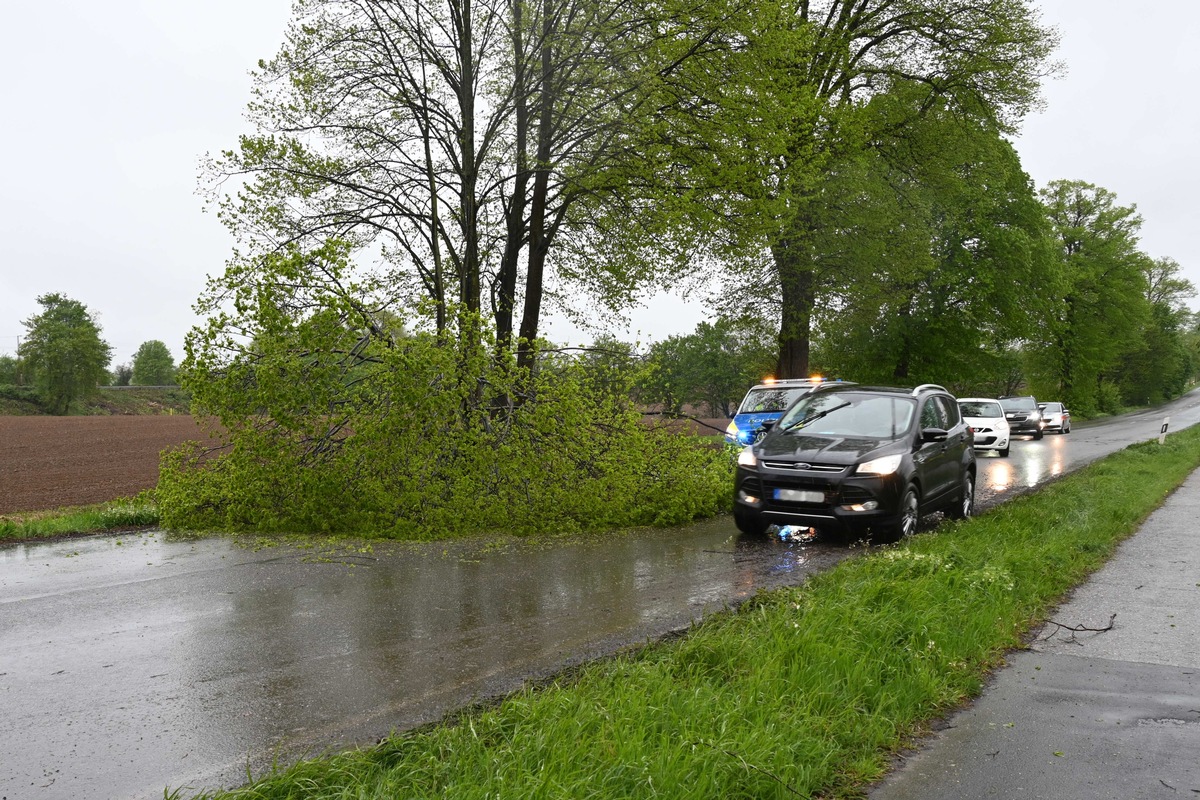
<point x="766" y="401"/>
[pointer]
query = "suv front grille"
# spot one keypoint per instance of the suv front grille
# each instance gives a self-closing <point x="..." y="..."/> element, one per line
<point x="801" y="466"/>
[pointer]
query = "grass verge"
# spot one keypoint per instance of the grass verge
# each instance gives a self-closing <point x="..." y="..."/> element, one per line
<point x="806" y="691"/>
<point x="116" y="515"/>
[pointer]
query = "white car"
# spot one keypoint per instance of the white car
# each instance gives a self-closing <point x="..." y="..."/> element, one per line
<point x="985" y="415"/>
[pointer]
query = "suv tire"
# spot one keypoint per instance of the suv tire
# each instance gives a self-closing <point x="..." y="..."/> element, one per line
<point x="906" y="525"/>
<point x="749" y="522"/>
<point x="964" y="502"/>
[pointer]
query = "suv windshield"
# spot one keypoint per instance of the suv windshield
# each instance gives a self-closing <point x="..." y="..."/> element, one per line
<point x="867" y="416"/>
<point x="975" y="408"/>
<point x="770" y="398"/>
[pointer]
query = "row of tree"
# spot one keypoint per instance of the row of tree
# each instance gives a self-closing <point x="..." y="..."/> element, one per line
<point x="504" y="159"/>
<point x="64" y="358"/>
<point x="426" y="179"/>
<point x="842" y="168"/>
<point x="986" y="287"/>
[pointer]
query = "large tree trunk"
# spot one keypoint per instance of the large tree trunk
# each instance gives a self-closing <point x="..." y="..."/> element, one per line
<point x="539" y="242"/>
<point x="797" y="294"/>
<point x="469" y="284"/>
<point x="514" y="212"/>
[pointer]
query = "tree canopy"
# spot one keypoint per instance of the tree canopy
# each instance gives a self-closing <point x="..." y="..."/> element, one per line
<point x="454" y="145"/>
<point x="63" y="352"/>
<point x="153" y="365"/>
<point x="797" y="105"/>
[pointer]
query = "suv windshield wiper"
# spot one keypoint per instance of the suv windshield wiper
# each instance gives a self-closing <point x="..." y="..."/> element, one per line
<point x="812" y="418"/>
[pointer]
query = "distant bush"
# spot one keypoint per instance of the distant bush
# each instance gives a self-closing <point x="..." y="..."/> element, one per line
<point x="20" y="400"/>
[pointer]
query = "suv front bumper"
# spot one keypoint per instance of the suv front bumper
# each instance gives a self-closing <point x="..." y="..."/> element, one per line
<point x="851" y="505"/>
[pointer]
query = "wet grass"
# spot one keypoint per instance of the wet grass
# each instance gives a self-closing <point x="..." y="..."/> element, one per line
<point x="112" y="516"/>
<point x="807" y="691"/>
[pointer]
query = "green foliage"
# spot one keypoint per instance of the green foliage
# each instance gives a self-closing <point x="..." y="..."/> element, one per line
<point x="493" y="177"/>
<point x="711" y="368"/>
<point x="808" y="691"/>
<point x="10" y="370"/>
<point x="1102" y="309"/>
<point x="792" y="111"/>
<point x="943" y="255"/>
<point x="121" y="375"/>
<point x="1162" y="363"/>
<point x="332" y="427"/>
<point x="20" y="400"/>
<point x="63" y="352"/>
<point x="153" y="365"/>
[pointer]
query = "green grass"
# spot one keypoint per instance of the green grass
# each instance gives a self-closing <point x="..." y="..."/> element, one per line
<point x="106" y="401"/>
<point x="117" y="515"/>
<point x="807" y="691"/>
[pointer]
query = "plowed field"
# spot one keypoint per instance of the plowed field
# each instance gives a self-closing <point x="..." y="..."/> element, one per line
<point x="51" y="462"/>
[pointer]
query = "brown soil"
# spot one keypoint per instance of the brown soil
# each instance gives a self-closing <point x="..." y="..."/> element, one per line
<point x="53" y="462"/>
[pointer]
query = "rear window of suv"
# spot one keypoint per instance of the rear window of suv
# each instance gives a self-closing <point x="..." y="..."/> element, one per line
<point x="1018" y="403"/>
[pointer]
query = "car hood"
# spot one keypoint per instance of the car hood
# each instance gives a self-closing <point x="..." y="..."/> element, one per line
<point x="976" y="422"/>
<point x="785" y="446"/>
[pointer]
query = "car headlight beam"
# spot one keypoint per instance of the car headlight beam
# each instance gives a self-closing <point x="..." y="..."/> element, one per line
<point x="885" y="465"/>
<point x="746" y="458"/>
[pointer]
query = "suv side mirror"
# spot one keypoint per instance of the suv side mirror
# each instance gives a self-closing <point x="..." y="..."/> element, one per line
<point x="934" y="435"/>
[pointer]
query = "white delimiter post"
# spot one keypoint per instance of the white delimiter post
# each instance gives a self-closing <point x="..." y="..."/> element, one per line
<point x="1162" y="434"/>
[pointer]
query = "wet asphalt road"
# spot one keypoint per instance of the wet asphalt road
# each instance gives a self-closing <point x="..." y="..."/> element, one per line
<point x="130" y="664"/>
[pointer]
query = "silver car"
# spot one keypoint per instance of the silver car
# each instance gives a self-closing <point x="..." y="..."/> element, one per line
<point x="1055" y="418"/>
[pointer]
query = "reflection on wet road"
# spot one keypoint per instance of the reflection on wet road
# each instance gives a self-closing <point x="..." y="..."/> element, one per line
<point x="1031" y="462"/>
<point x="128" y="664"/>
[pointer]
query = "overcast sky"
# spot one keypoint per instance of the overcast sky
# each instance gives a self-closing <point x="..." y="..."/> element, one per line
<point x="108" y="107"/>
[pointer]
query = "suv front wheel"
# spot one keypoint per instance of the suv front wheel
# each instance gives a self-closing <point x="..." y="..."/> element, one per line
<point x="964" y="505"/>
<point x="906" y="524"/>
<point x="749" y="522"/>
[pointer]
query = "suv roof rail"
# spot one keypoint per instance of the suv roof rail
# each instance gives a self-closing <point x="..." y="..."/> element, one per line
<point x="927" y="386"/>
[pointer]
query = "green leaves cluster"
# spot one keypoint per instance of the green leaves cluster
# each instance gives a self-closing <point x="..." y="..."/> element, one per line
<point x="1116" y="331"/>
<point x="333" y="422"/>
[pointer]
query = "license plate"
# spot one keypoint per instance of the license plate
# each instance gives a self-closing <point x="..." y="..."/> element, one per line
<point x="799" y="496"/>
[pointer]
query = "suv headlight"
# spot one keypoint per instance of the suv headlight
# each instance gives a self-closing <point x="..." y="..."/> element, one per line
<point x="746" y="458"/>
<point x="880" y="466"/>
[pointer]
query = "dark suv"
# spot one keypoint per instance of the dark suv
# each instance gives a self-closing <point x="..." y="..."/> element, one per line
<point x="859" y="459"/>
<point x="1023" y="415"/>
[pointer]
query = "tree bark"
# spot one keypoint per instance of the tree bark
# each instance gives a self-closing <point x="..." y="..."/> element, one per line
<point x="797" y="299"/>
<point x="539" y="240"/>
